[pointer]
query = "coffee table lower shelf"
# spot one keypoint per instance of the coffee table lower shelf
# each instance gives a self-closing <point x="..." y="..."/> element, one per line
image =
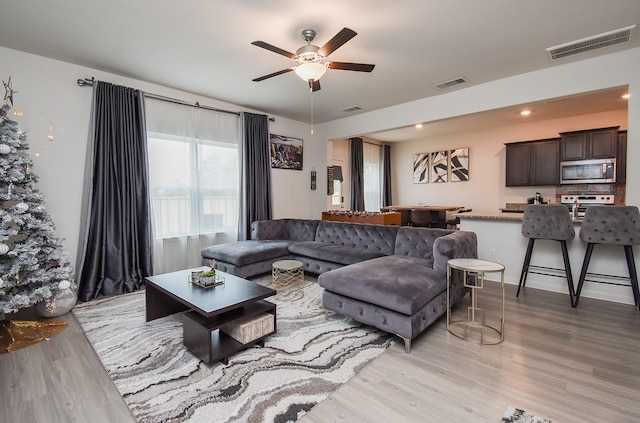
<point x="203" y="337"/>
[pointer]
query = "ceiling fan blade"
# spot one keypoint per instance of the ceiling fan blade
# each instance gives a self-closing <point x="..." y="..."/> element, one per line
<point x="358" y="67"/>
<point x="337" y="41"/>
<point x="314" y="86"/>
<point x="274" y="49"/>
<point x="271" y="75"/>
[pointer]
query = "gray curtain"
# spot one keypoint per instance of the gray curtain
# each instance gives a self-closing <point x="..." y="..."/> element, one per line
<point x="116" y="238"/>
<point x="255" y="173"/>
<point x="356" y="158"/>
<point x="386" y="176"/>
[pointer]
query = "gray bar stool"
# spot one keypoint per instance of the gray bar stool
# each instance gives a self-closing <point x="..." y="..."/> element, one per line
<point x="616" y="225"/>
<point x="553" y="222"/>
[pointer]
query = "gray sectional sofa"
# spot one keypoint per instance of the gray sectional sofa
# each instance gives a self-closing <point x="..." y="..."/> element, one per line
<point x="390" y="277"/>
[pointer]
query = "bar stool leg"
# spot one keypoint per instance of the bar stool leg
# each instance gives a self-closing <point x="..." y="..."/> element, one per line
<point x="525" y="265"/>
<point x="583" y="273"/>
<point x="567" y="268"/>
<point x="633" y="276"/>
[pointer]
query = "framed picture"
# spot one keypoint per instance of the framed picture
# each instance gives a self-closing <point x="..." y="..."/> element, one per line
<point x="286" y="152"/>
<point x="459" y="163"/>
<point x="421" y="168"/>
<point x="439" y="166"/>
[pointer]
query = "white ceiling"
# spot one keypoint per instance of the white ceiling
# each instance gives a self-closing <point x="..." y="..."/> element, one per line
<point x="583" y="104"/>
<point x="204" y="46"/>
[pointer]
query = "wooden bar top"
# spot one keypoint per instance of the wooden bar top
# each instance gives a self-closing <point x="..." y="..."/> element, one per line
<point x="373" y="218"/>
<point x="429" y="208"/>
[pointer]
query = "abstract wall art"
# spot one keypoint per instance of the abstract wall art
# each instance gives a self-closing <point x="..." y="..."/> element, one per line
<point x="421" y="168"/>
<point x="439" y="166"/>
<point x="459" y="164"/>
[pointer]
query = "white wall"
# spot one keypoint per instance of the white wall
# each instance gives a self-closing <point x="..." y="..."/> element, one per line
<point x="291" y="189"/>
<point x="613" y="70"/>
<point x="485" y="190"/>
<point x="53" y="104"/>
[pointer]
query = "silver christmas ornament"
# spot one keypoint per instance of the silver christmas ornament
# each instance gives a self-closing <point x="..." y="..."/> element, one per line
<point x="21" y="207"/>
<point x="5" y="149"/>
<point x="4" y="249"/>
<point x="61" y="304"/>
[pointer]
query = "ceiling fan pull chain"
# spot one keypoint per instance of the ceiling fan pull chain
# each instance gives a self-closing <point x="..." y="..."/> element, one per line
<point x="311" y="112"/>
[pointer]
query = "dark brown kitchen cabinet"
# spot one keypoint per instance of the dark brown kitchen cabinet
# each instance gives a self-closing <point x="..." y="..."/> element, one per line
<point x="533" y="163"/>
<point x="621" y="158"/>
<point x="589" y="144"/>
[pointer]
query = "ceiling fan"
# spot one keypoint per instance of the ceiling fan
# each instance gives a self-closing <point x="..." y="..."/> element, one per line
<point x="312" y="59"/>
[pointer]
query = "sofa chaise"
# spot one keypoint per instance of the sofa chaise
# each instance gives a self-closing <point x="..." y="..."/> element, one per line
<point x="390" y="277"/>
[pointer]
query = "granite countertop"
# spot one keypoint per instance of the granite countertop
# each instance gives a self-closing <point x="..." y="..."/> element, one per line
<point x="497" y="216"/>
<point x="490" y="215"/>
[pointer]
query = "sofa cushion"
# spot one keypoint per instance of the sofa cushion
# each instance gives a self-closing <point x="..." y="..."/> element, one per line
<point x="399" y="283"/>
<point x="332" y="252"/>
<point x="242" y="253"/>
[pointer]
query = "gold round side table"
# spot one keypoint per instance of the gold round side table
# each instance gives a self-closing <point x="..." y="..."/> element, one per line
<point x="288" y="279"/>
<point x="475" y="327"/>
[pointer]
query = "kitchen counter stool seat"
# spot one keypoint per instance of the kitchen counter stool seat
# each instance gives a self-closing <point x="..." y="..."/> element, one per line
<point x="550" y="222"/>
<point x="614" y="225"/>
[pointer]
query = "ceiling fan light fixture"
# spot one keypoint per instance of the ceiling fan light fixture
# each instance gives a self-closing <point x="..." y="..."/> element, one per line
<point x="310" y="71"/>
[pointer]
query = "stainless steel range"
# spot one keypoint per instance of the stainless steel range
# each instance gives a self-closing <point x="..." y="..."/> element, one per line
<point x="586" y="200"/>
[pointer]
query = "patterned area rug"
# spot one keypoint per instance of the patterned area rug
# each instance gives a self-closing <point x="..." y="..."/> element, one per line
<point x="516" y="415"/>
<point x="312" y="354"/>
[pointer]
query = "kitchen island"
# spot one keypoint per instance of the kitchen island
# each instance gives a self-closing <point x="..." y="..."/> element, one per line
<point x="500" y="239"/>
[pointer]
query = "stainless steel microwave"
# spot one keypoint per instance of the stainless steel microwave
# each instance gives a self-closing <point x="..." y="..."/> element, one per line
<point x="596" y="171"/>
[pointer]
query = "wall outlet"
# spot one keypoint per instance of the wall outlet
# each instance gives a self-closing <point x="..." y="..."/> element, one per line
<point x="492" y="253"/>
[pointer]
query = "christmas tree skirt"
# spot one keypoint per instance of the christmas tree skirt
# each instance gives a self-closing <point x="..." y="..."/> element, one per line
<point x="17" y="334"/>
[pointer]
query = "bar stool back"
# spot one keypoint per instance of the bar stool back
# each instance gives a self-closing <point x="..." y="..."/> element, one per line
<point x="405" y="216"/>
<point x="421" y="218"/>
<point x="616" y="225"/>
<point x="552" y="222"/>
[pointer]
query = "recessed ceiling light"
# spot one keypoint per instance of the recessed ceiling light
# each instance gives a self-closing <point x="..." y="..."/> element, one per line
<point x="418" y="125"/>
<point x="525" y="112"/>
<point x="625" y="96"/>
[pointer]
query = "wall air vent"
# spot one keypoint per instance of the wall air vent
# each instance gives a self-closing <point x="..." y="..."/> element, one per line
<point x="622" y="35"/>
<point x="351" y="109"/>
<point x="451" y="83"/>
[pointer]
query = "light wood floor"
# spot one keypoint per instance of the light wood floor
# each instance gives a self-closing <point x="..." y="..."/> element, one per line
<point x="568" y="365"/>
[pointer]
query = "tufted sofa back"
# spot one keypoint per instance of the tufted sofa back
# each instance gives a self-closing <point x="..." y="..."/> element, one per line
<point x="284" y="229"/>
<point x="367" y="237"/>
<point x="417" y="242"/>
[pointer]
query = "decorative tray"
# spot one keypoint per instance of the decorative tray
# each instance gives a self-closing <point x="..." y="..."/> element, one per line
<point x="206" y="283"/>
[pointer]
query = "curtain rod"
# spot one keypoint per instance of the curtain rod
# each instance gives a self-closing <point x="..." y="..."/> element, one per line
<point x="89" y="82"/>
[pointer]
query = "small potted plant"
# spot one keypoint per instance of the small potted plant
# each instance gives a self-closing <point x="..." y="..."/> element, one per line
<point x="208" y="276"/>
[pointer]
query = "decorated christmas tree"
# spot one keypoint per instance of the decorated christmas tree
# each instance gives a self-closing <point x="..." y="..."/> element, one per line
<point x="34" y="269"/>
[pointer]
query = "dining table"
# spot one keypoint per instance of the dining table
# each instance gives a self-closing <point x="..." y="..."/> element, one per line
<point x="438" y="213"/>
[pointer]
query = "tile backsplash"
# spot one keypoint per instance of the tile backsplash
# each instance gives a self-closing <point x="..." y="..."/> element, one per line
<point x="618" y="191"/>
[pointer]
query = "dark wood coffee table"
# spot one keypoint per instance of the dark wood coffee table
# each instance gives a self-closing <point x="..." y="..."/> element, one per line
<point x="208" y="309"/>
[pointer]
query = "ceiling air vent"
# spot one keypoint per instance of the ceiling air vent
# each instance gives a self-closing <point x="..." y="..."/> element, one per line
<point x="351" y="109"/>
<point x="451" y="83"/>
<point x="594" y="42"/>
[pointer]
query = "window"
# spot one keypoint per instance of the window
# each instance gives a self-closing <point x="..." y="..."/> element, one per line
<point x="336" y="197"/>
<point x="193" y="170"/>
<point x="193" y="185"/>
<point x="372" y="176"/>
